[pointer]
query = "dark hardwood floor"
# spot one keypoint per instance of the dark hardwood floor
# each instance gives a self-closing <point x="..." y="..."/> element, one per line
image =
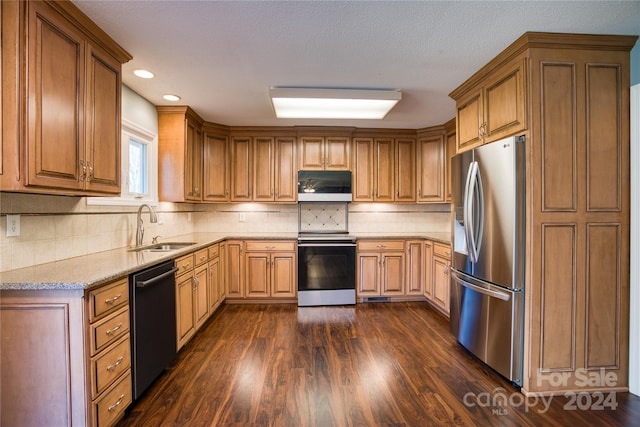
<point x="375" y="364"/>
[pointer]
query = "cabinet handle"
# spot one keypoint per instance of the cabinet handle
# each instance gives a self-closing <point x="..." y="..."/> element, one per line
<point x="115" y="405"/>
<point x="110" y="301"/>
<point x="116" y="364"/>
<point x="90" y="172"/>
<point x="202" y="258"/>
<point x="482" y="130"/>
<point x="114" y="330"/>
<point x="84" y="170"/>
<point x="186" y="265"/>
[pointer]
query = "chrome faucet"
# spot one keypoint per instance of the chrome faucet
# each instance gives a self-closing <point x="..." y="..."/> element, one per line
<point x="140" y="232"/>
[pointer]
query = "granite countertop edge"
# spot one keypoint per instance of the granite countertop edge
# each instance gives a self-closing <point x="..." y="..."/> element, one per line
<point x="93" y="270"/>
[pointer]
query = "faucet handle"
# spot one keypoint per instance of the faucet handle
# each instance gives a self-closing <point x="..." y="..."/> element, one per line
<point x="155" y="239"/>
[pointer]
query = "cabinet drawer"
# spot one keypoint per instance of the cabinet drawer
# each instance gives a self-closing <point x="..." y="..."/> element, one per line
<point x="109" y="330"/>
<point x="202" y="256"/>
<point x="214" y="251"/>
<point x="185" y="264"/>
<point x="108" y="298"/>
<point x="381" y="245"/>
<point x="265" y="245"/>
<point x="442" y="250"/>
<point x="107" y="367"/>
<point x="110" y="407"/>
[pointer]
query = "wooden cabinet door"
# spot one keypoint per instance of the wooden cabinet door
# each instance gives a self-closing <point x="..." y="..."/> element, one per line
<point x="428" y="268"/>
<point x="215" y="182"/>
<point x="469" y="119"/>
<point x="234" y="277"/>
<point x="283" y="274"/>
<point x="384" y="170"/>
<point x="263" y="190"/>
<point x="415" y="268"/>
<point x="504" y="103"/>
<point x="214" y="283"/>
<point x="363" y="170"/>
<point x="286" y="171"/>
<point x="186" y="325"/>
<point x="431" y="169"/>
<point x="102" y="123"/>
<point x="312" y="153"/>
<point x="336" y="153"/>
<point x="392" y="273"/>
<point x="368" y="274"/>
<point x="405" y="170"/>
<point x="193" y="166"/>
<point x="201" y="295"/>
<point x="450" y="151"/>
<point x="441" y="283"/>
<point x="257" y="268"/>
<point x="241" y="169"/>
<point x="56" y="81"/>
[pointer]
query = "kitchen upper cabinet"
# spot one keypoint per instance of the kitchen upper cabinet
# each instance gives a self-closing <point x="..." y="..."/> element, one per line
<point x="380" y="268"/>
<point x="180" y="148"/>
<point x="325" y="153"/>
<point x="492" y="110"/>
<point x="216" y="174"/>
<point x="450" y="152"/>
<point x="384" y="169"/>
<point x="431" y="167"/>
<point x="264" y="169"/>
<point x="72" y="74"/>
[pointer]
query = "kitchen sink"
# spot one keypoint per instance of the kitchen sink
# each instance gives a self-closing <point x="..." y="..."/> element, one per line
<point x="162" y="247"/>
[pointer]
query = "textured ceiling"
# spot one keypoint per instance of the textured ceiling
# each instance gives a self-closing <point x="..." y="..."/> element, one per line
<point x="222" y="57"/>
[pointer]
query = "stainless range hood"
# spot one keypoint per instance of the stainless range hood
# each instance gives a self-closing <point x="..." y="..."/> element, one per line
<point x="324" y="186"/>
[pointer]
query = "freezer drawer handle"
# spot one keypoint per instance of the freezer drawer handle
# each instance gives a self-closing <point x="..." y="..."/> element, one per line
<point x="496" y="294"/>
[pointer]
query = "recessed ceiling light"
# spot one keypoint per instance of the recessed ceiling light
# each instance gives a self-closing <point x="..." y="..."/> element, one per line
<point x="143" y="74"/>
<point x="308" y="103"/>
<point x="170" y="97"/>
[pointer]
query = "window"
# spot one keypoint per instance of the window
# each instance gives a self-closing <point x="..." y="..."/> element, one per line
<point x="139" y="168"/>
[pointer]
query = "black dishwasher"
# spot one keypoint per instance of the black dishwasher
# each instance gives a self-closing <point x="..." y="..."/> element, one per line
<point x="153" y="323"/>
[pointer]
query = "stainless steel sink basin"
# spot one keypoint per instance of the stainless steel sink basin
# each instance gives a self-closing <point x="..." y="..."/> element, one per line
<point x="162" y="247"/>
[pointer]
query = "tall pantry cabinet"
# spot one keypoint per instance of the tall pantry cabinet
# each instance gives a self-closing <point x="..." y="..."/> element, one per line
<point x="569" y="95"/>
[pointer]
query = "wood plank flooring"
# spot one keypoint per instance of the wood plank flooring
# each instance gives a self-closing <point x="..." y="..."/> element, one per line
<point x="373" y="364"/>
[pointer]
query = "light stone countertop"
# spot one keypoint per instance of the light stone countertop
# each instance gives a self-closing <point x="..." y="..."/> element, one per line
<point x="96" y="269"/>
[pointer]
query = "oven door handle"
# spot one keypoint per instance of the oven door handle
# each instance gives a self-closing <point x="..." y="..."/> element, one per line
<point x="326" y="244"/>
<point x="145" y="283"/>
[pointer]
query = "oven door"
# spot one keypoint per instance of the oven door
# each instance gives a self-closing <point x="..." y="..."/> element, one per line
<point x="326" y="273"/>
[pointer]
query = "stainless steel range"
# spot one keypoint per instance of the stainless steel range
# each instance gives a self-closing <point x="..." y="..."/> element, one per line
<point x="326" y="255"/>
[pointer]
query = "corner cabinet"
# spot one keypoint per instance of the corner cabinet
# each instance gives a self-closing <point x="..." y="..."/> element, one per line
<point x="72" y="76"/>
<point x="578" y="196"/>
<point x="180" y="149"/>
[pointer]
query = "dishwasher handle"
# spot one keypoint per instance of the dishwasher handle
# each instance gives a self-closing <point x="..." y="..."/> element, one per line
<point x="489" y="292"/>
<point x="145" y="283"/>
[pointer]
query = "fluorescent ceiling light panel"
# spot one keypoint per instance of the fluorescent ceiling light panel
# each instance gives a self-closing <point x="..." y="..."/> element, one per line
<point x="302" y="103"/>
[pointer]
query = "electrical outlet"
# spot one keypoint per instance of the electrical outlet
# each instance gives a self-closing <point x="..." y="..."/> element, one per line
<point x="188" y="216"/>
<point x="160" y="218"/>
<point x="13" y="225"/>
<point x="242" y="217"/>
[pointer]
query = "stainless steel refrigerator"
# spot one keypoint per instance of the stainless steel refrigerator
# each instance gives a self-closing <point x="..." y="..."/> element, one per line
<point x="487" y="274"/>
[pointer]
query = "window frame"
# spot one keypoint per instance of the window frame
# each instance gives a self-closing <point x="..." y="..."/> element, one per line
<point x="129" y="131"/>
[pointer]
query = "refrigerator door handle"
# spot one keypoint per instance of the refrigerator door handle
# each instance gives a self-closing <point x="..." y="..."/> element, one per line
<point x="490" y="292"/>
<point x="474" y="209"/>
<point x="467" y="217"/>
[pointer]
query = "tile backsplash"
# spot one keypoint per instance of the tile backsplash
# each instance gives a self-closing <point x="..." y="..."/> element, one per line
<point x="58" y="227"/>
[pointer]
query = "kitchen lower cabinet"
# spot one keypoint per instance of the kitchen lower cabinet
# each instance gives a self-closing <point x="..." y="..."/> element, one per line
<point x="270" y="268"/>
<point x="416" y="267"/>
<point x="216" y="288"/>
<point x="441" y="264"/>
<point x="234" y="269"/>
<point x="380" y="268"/>
<point x="65" y="356"/>
<point x="192" y="302"/>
